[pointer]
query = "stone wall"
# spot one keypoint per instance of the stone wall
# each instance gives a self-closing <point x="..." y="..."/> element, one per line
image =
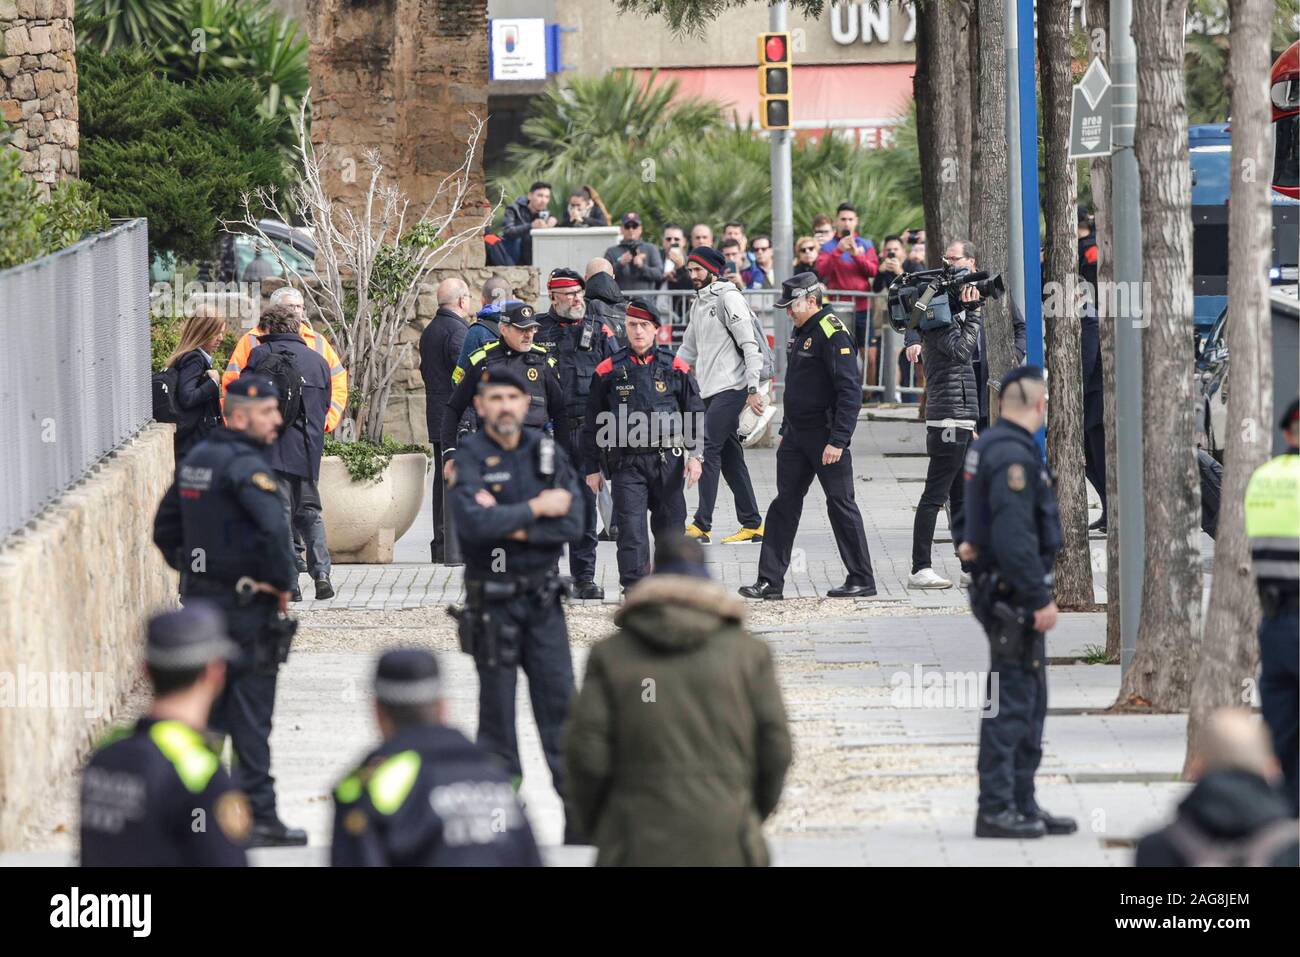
<point x="38" y="87"/>
<point x="75" y="592"/>
<point x="405" y="78"/>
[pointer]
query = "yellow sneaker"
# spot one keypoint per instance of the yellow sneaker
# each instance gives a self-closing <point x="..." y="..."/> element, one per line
<point x="751" y="535"/>
<point x="697" y="533"/>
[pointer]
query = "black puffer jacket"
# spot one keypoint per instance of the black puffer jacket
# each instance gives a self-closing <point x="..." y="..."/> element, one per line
<point x="950" y="388"/>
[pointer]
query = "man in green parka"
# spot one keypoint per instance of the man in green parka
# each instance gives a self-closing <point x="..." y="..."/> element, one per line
<point x="677" y="746"/>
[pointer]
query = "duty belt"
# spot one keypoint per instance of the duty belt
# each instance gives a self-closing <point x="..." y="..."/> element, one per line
<point x="501" y="589"/>
<point x="245" y="589"/>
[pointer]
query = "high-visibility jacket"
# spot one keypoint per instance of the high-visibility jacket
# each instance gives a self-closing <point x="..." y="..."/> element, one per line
<point x="338" y="375"/>
<point x="1273" y="522"/>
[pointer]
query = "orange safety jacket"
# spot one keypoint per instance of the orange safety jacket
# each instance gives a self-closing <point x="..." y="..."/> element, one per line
<point x="338" y="375"/>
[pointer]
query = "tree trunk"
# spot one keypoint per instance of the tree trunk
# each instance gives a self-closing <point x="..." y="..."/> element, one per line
<point x="963" y="78"/>
<point x="1098" y="24"/>
<point x="989" y="179"/>
<point x="935" y="88"/>
<point x="1169" y="627"/>
<point x="1061" y="315"/>
<point x="1230" y="651"/>
<point x="975" y="205"/>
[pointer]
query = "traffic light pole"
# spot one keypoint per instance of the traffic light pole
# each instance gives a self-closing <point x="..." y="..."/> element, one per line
<point x="782" y="214"/>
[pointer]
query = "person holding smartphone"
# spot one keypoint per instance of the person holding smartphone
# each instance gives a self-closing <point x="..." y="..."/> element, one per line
<point x="849" y="261"/>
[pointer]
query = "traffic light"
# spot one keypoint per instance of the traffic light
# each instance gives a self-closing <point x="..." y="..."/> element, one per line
<point x="774" y="81"/>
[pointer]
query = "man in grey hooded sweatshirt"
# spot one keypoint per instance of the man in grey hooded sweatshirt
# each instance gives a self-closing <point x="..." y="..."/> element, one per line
<point x="722" y="351"/>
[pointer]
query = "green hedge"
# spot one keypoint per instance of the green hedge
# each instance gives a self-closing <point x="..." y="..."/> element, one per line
<point x="366" y="460"/>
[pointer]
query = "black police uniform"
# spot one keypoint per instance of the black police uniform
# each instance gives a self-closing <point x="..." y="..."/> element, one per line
<point x="535" y="368"/>
<point x="440" y="346"/>
<point x="426" y="796"/>
<point x="512" y="589"/>
<point x="823" y="394"/>
<point x="143" y="792"/>
<point x="222" y="521"/>
<point x="1011" y="519"/>
<point x="154" y="794"/>
<point x="578" y="346"/>
<point x="645" y="464"/>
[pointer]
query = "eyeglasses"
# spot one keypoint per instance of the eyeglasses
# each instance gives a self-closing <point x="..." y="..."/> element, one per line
<point x="761" y="249"/>
<point x="807" y="249"/>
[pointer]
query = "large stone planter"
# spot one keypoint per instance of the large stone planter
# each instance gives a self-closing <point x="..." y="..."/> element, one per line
<point x="364" y="519"/>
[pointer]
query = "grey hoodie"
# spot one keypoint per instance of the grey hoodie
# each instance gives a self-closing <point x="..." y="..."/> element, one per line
<point x="710" y="349"/>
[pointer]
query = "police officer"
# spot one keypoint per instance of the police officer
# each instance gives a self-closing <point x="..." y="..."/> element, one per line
<point x="577" y="343"/>
<point x="222" y="526"/>
<point x="514" y="350"/>
<point x="146" y="786"/>
<point x="1273" y="527"/>
<point x="427" y="796"/>
<point x="515" y="502"/>
<point x="1011" y="531"/>
<point x="645" y="423"/>
<point x="823" y="394"/>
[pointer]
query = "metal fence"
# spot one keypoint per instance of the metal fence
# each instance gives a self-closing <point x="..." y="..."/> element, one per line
<point x="885" y="375"/>
<point x="74" y="365"/>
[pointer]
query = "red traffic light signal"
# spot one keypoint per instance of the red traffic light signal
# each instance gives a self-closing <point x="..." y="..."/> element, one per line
<point x="774" y="81"/>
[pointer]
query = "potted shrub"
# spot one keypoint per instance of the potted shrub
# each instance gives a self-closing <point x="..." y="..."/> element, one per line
<point x="370" y="264"/>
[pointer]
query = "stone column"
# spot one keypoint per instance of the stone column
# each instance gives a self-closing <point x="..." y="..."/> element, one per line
<point x="403" y="77"/>
<point x="38" y="87"/>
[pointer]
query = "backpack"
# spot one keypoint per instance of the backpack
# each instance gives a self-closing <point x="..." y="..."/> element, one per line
<point x="166" y="407"/>
<point x="279" y="366"/>
<point x="764" y="350"/>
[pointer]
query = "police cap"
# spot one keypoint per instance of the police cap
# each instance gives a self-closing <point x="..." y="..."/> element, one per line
<point x="1290" y="415"/>
<point x="407" y="676"/>
<point x="519" y="315"/>
<point x="253" y="386"/>
<point x="642" y="309"/>
<point x="797" y="287"/>
<point x="501" y="375"/>
<point x="564" y="279"/>
<point x="187" y="639"/>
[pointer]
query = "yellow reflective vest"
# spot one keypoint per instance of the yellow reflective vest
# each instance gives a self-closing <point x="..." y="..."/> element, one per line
<point x="1273" y="521"/>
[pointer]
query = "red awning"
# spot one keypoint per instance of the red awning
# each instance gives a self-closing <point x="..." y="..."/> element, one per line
<point x="859" y="96"/>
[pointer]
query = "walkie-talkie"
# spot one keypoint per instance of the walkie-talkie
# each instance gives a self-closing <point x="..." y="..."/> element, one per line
<point x="588" y="331"/>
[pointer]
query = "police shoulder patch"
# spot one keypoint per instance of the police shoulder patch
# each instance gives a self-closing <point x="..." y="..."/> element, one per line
<point x="265" y="482"/>
<point x="532" y="374"/>
<point x="1016" y="477"/>
<point x="234" y="816"/>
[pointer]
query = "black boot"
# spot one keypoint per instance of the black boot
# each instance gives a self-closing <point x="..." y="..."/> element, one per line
<point x="1009" y="823"/>
<point x="275" y="833"/>
<point x="588" y="591"/>
<point x="1054" y="824"/>
<point x="324" y="589"/>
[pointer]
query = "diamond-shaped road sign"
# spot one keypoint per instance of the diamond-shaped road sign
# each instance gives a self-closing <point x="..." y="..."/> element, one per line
<point x="1090" y="120"/>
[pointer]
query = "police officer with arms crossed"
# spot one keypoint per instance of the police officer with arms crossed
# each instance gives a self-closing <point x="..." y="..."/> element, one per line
<point x="426" y="796"/>
<point x="141" y="789"/>
<point x="823" y="394"/>
<point x="1273" y="527"/>
<point x="644" y="429"/>
<point x="515" y="350"/>
<point x="223" y="527"/>
<point x="1011" y="531"/>
<point x="578" y="343"/>
<point x="515" y="503"/>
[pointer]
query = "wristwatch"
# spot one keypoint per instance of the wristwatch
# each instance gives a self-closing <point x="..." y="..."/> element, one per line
<point x="751" y="391"/>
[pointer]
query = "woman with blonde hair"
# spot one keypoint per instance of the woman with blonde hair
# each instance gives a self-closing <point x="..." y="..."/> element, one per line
<point x="198" y="389"/>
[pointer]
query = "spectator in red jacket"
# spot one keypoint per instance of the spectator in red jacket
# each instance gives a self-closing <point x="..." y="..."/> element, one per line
<point x="848" y="261"/>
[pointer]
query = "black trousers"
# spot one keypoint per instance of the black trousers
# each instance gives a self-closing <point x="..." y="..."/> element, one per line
<point x="1094" y="461"/>
<point x="1011" y="732"/>
<point x="243" y="711"/>
<point x="435" y="506"/>
<point x="541" y="640"/>
<point x="944" y="483"/>
<point x="646" y="483"/>
<point x="1279" y="695"/>
<point x="582" y="550"/>
<point x="798" y="460"/>
<point x="723" y="454"/>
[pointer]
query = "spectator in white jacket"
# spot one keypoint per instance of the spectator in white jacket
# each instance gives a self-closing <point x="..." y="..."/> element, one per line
<point x="719" y="346"/>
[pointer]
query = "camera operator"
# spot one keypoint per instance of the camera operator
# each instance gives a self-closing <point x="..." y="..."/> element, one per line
<point x="951" y="412"/>
<point x="637" y="264"/>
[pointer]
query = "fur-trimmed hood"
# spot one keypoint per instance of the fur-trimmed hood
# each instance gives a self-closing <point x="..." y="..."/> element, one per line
<point x="678" y="612"/>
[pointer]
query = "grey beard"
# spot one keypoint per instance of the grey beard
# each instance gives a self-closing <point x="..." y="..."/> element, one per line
<point x="571" y="312"/>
